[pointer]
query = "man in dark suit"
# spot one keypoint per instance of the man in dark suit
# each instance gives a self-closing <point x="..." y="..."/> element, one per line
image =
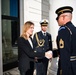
<point x="66" y="40"/>
<point x="42" y="42"/>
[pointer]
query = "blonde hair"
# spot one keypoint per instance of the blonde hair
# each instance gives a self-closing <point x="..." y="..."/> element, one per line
<point x="26" y="26"/>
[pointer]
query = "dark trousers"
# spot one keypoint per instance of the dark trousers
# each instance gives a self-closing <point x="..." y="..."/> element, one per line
<point x="29" y="72"/>
<point x="41" y="68"/>
<point x="59" y="68"/>
<point x="22" y="73"/>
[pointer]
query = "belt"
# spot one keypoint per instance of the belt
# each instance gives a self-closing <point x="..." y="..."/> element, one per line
<point x="72" y="58"/>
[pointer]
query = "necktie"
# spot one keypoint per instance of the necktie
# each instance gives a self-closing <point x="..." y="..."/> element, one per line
<point x="44" y="34"/>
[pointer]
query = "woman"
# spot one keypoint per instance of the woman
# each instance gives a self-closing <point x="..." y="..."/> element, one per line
<point x="26" y="53"/>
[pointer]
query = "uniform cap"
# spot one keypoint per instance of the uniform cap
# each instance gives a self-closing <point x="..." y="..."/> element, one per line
<point x="62" y="10"/>
<point x="44" y="22"/>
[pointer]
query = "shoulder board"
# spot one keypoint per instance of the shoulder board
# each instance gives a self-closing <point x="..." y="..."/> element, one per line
<point x="61" y="28"/>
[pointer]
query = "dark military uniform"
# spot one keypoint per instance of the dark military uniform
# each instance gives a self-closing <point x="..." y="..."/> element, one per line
<point x="42" y="63"/>
<point x="42" y="43"/>
<point x="67" y="45"/>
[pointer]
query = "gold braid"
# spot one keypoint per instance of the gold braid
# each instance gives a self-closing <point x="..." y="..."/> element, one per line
<point x="40" y="42"/>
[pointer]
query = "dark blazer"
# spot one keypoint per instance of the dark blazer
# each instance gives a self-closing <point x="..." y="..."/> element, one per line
<point x="26" y="54"/>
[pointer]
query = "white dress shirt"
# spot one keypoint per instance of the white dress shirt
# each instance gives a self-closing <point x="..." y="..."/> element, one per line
<point x="30" y="42"/>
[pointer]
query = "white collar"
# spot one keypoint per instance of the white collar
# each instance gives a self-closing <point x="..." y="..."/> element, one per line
<point x="43" y="32"/>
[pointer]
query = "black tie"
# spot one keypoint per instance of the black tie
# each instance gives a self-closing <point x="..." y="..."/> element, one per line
<point x="44" y="34"/>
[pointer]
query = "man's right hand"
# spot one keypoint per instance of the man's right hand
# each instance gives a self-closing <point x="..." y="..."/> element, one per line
<point x="48" y="54"/>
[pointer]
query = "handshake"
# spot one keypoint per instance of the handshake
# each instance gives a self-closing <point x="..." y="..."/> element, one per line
<point x="48" y="54"/>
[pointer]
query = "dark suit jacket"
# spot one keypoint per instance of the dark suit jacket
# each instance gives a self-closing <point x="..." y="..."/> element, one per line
<point x="26" y="54"/>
